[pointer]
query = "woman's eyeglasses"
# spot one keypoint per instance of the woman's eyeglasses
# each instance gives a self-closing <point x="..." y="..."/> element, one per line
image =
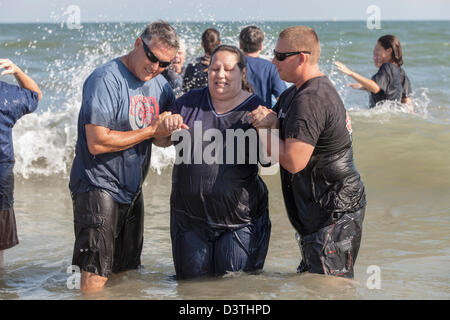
<point x="151" y="56"/>
<point x="283" y="55"/>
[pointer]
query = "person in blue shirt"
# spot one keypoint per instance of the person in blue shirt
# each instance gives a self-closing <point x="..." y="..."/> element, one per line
<point x="15" y="101"/>
<point x="261" y="73"/>
<point x="122" y="109"/>
<point x="391" y="81"/>
<point x="219" y="204"/>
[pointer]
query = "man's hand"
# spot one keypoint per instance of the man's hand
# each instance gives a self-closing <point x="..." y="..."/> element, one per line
<point x="167" y="123"/>
<point x="9" y="66"/>
<point x="263" y="118"/>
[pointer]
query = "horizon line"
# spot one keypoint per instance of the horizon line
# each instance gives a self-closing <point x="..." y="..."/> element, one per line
<point x="233" y="21"/>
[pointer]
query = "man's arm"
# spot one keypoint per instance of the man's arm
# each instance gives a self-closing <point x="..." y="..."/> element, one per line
<point x="293" y="154"/>
<point x="104" y="140"/>
<point x="23" y="80"/>
<point x="172" y="124"/>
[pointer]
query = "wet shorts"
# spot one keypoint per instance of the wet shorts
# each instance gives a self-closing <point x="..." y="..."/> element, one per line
<point x="8" y="229"/>
<point x="108" y="235"/>
<point x="202" y="251"/>
<point x="6" y="188"/>
<point x="333" y="250"/>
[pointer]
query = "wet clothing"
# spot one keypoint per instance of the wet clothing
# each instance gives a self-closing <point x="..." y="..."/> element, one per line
<point x="196" y="74"/>
<point x="213" y="200"/>
<point x="8" y="229"/>
<point x="199" y="250"/>
<point x="333" y="249"/>
<point x="175" y="80"/>
<point x="114" y="98"/>
<point x="329" y="185"/>
<point x="15" y="102"/>
<point x="393" y="82"/>
<point x="106" y="188"/>
<point x="264" y="78"/>
<point x="108" y="235"/>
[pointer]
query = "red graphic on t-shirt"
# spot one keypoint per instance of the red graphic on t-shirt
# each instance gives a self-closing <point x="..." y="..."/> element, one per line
<point x="143" y="110"/>
<point x="349" y="123"/>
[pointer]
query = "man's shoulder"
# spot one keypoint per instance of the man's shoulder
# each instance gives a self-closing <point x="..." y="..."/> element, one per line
<point x="319" y="90"/>
<point x="108" y="71"/>
<point x="259" y="62"/>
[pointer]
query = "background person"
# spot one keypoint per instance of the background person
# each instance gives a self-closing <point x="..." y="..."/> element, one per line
<point x="262" y="74"/>
<point x="15" y="102"/>
<point x="175" y="72"/>
<point x="219" y="211"/>
<point x="391" y="81"/>
<point x="322" y="190"/>
<point x="196" y="75"/>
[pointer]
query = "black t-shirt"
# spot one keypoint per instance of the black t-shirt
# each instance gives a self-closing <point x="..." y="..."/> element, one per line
<point x="393" y="82"/>
<point x="329" y="184"/>
<point x="227" y="193"/>
<point x="196" y="75"/>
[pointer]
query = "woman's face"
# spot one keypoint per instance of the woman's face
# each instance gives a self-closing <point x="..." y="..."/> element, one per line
<point x="381" y="55"/>
<point x="224" y="76"/>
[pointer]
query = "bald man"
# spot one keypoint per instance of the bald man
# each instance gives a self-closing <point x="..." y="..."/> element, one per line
<point x="322" y="190"/>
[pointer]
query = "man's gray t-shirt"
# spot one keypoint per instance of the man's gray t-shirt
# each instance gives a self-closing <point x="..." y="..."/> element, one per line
<point x="114" y="98"/>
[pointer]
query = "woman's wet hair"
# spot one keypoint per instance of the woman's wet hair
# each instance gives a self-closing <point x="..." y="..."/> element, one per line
<point x="390" y="41"/>
<point x="210" y="40"/>
<point x="242" y="63"/>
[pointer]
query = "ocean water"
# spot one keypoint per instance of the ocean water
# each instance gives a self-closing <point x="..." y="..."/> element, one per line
<point x="403" y="159"/>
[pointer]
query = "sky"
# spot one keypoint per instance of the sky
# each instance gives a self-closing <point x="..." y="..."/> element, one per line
<point x="29" y="11"/>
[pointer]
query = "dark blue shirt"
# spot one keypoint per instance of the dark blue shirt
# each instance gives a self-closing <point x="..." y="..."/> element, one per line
<point x="114" y="98"/>
<point x="264" y="78"/>
<point x="14" y="103"/>
<point x="229" y="191"/>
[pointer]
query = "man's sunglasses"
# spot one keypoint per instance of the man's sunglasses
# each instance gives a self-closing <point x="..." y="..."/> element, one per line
<point x="151" y="56"/>
<point x="283" y="55"/>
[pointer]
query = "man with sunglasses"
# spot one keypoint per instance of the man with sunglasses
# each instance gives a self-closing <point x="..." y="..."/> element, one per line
<point x="323" y="193"/>
<point x="122" y="111"/>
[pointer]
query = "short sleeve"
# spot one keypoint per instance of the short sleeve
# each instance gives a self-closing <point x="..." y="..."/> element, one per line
<point x="100" y="101"/>
<point x="382" y="77"/>
<point x="305" y="119"/>
<point x="278" y="85"/>
<point x="406" y="87"/>
<point x="17" y="101"/>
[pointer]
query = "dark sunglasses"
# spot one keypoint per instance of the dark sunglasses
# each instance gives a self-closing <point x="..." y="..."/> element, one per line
<point x="151" y="56"/>
<point x="283" y="55"/>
